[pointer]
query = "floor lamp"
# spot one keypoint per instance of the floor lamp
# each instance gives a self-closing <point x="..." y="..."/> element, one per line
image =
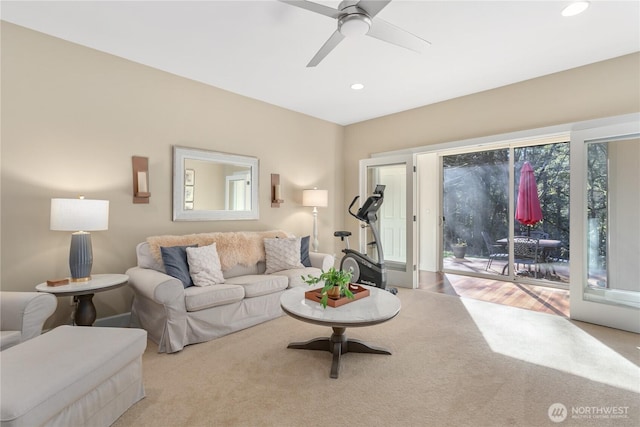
<point x="317" y="199"/>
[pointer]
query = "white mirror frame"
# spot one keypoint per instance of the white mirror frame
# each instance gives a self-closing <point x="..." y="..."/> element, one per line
<point x="180" y="154"/>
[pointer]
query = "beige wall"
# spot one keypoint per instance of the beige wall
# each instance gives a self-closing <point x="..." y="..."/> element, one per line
<point x="599" y="90"/>
<point x="72" y="118"/>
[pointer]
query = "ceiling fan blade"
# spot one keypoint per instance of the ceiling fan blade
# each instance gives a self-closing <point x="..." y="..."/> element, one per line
<point x="389" y="33"/>
<point x="327" y="47"/>
<point x="372" y="7"/>
<point x="314" y="7"/>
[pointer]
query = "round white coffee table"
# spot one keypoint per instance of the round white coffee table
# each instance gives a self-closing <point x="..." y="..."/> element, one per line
<point x="378" y="307"/>
<point x="85" y="313"/>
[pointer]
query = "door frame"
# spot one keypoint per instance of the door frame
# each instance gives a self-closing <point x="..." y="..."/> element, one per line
<point x="582" y="307"/>
<point x="577" y="312"/>
<point x="409" y="277"/>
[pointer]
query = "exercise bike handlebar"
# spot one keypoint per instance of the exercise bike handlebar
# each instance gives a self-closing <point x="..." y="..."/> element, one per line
<point x="353" y="202"/>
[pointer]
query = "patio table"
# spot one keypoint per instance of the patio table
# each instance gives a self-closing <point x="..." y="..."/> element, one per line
<point x="547" y="246"/>
<point x="543" y="243"/>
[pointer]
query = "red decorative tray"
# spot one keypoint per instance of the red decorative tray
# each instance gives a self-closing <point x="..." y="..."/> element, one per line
<point x="359" y="292"/>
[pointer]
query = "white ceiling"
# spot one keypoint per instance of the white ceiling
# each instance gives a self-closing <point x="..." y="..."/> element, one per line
<point x="260" y="48"/>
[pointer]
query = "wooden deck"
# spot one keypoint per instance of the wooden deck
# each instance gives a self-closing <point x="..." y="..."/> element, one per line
<point x="530" y="297"/>
<point x="557" y="273"/>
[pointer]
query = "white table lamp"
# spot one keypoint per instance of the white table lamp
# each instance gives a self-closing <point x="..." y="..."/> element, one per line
<point x="317" y="199"/>
<point x="80" y="216"/>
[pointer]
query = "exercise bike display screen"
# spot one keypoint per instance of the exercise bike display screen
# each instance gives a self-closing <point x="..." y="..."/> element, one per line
<point x="372" y="204"/>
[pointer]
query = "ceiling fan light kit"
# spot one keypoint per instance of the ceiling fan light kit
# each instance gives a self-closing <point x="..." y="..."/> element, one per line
<point x="357" y="18"/>
<point x="354" y="25"/>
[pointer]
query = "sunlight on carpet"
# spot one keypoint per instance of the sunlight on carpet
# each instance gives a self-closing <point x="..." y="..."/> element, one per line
<point x="455" y="362"/>
<point x="550" y="341"/>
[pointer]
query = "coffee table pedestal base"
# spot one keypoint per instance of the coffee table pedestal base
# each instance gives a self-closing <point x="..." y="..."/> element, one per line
<point x="338" y="344"/>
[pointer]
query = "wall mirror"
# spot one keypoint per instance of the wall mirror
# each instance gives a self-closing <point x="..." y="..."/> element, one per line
<point x="210" y="186"/>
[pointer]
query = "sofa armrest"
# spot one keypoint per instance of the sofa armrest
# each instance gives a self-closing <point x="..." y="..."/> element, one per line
<point x="26" y="312"/>
<point x="322" y="261"/>
<point x="165" y="318"/>
<point x="156" y="286"/>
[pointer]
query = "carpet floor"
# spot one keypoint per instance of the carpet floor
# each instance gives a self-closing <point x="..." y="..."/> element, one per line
<point x="455" y="362"/>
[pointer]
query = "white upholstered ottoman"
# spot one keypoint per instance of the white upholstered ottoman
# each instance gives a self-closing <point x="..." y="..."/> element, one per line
<point x="72" y="376"/>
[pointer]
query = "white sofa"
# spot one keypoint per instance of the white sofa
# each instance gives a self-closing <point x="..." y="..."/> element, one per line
<point x="175" y="316"/>
<point x="22" y="315"/>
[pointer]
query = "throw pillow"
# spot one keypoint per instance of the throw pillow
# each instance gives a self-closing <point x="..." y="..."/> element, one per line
<point x="175" y="263"/>
<point x="304" y="251"/>
<point x="204" y="265"/>
<point x="282" y="254"/>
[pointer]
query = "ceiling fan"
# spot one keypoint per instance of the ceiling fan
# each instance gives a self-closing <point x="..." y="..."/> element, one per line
<point x="358" y="18"/>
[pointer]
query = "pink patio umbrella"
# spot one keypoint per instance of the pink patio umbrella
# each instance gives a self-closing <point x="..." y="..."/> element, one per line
<point x="528" y="210"/>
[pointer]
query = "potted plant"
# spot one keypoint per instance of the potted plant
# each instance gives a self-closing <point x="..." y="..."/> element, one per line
<point x="336" y="284"/>
<point x="459" y="248"/>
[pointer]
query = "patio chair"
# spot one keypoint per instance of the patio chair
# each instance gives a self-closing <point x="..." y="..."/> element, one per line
<point x="527" y="251"/>
<point x="548" y="255"/>
<point x="495" y="251"/>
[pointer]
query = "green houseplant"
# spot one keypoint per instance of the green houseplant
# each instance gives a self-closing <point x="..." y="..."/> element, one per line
<point x="336" y="284"/>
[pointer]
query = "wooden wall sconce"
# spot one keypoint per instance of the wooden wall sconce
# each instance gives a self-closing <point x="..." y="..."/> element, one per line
<point x="140" y="179"/>
<point x="276" y="197"/>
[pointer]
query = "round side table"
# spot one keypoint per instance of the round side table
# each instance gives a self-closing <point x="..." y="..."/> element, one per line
<point x="85" y="313"/>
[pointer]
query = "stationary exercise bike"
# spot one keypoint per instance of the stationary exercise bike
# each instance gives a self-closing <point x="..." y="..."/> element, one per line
<point x="363" y="268"/>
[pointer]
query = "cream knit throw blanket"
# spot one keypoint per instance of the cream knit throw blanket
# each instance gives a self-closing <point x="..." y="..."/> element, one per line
<point x="246" y="248"/>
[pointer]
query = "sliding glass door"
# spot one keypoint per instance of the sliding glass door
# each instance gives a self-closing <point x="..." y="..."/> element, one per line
<point x="493" y="227"/>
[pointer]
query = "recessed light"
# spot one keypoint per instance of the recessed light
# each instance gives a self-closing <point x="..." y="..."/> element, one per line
<point x="575" y="8"/>
<point x="357" y="86"/>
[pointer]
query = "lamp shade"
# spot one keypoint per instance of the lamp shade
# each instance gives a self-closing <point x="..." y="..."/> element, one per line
<point x="315" y="198"/>
<point x="79" y="215"/>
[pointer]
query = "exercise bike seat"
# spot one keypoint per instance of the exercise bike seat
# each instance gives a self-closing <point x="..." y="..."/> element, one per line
<point x="342" y="234"/>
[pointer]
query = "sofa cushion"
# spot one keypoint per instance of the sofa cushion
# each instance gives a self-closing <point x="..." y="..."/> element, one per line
<point x="304" y="251"/>
<point x="295" y="275"/>
<point x="204" y="265"/>
<point x="258" y="285"/>
<point x="176" y="264"/>
<point x="198" y="298"/>
<point x="243" y="270"/>
<point x="282" y="254"/>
